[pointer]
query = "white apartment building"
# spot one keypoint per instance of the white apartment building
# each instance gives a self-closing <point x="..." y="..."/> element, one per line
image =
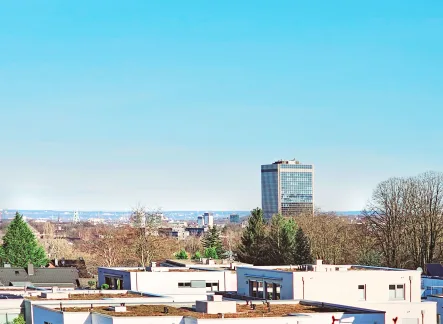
<point x="185" y="278"/>
<point x="210" y="311"/>
<point x="395" y="291"/>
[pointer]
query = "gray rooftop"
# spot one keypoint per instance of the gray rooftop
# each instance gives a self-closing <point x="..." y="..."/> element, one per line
<point x="42" y="277"/>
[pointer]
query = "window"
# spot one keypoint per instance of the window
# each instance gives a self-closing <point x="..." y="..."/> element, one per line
<point x="184" y="284"/>
<point x="198" y="284"/>
<point x="253" y="288"/>
<point x="361" y="292"/>
<point x="396" y="292"/>
<point x="212" y="286"/>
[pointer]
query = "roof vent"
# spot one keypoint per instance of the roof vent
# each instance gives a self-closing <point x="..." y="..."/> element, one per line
<point x="118" y="309"/>
<point x="30" y="269"/>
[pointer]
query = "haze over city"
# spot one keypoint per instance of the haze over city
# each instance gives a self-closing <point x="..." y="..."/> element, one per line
<point x="176" y="105"/>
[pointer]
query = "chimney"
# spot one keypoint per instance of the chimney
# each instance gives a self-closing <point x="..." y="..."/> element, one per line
<point x="319" y="262"/>
<point x="30" y="269"/>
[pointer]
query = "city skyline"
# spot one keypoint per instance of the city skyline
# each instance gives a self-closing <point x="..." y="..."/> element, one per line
<point x="176" y="106"/>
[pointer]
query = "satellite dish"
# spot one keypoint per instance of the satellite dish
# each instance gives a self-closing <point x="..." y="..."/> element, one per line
<point x="420" y="269"/>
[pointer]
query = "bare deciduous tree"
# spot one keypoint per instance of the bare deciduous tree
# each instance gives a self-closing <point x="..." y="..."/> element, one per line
<point x="405" y="216"/>
<point x="146" y="244"/>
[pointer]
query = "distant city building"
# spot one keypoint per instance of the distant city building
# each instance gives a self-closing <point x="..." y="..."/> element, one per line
<point x="155" y="219"/>
<point x="178" y="232"/>
<point x="200" y="221"/>
<point x="287" y="188"/>
<point x="196" y="231"/>
<point x="208" y="219"/>
<point x="234" y="218"/>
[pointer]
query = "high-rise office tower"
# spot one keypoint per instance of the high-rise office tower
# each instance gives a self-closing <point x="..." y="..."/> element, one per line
<point x="287" y="187"/>
<point x="208" y="219"/>
<point x="200" y="221"/>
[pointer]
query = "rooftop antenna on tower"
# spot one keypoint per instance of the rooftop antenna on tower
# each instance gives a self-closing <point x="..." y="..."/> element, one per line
<point x="76" y="218"/>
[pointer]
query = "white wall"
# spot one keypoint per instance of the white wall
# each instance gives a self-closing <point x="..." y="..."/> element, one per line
<point x="190" y="298"/>
<point x="145" y="320"/>
<point x="164" y="283"/>
<point x="167" y="282"/>
<point x="285" y="278"/>
<point x="10" y="305"/>
<point x="230" y="281"/>
<point x="402" y="311"/>
<point x="10" y="309"/>
<point x="77" y="318"/>
<point x="439" y="302"/>
<point x="312" y="318"/>
<point x="342" y="286"/>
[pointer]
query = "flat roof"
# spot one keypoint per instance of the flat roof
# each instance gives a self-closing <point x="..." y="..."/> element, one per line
<point x="95" y="296"/>
<point x="243" y="311"/>
<point x="167" y="269"/>
<point x="323" y="267"/>
<point x="190" y="262"/>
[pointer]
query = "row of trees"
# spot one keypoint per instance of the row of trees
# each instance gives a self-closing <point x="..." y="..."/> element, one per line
<point x="402" y="227"/>
<point x="278" y="242"/>
<point x="405" y="219"/>
<point x="102" y="245"/>
<point x="211" y="245"/>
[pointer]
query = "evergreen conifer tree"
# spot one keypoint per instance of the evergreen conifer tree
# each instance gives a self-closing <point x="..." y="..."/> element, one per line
<point x="253" y="239"/>
<point x="302" y="252"/>
<point x="20" y="247"/>
<point x="212" y="240"/>
<point x="281" y="240"/>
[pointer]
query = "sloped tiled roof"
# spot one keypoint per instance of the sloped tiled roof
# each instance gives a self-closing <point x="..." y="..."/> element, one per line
<point x="80" y="265"/>
<point x="42" y="277"/>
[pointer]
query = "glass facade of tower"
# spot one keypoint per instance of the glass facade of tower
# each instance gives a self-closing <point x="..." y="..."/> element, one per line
<point x="269" y="189"/>
<point x="287" y="188"/>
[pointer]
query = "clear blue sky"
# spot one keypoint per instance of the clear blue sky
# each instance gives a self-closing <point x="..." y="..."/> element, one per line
<point x="176" y="104"/>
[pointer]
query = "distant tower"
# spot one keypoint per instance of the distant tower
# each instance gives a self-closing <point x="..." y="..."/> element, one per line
<point x="287" y="188"/>
<point x="208" y="219"/>
<point x="76" y="219"/>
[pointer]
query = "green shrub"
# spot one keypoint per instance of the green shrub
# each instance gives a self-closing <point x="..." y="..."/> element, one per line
<point x="182" y="255"/>
<point x="197" y="255"/>
<point x="19" y="320"/>
<point x="91" y="283"/>
<point x="211" y="253"/>
<point x="105" y="286"/>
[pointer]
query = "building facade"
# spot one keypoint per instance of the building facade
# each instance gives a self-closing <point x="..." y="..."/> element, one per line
<point x="169" y="280"/>
<point x="234" y="218"/>
<point x="287" y="188"/>
<point x="397" y="292"/>
<point x="208" y="219"/>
